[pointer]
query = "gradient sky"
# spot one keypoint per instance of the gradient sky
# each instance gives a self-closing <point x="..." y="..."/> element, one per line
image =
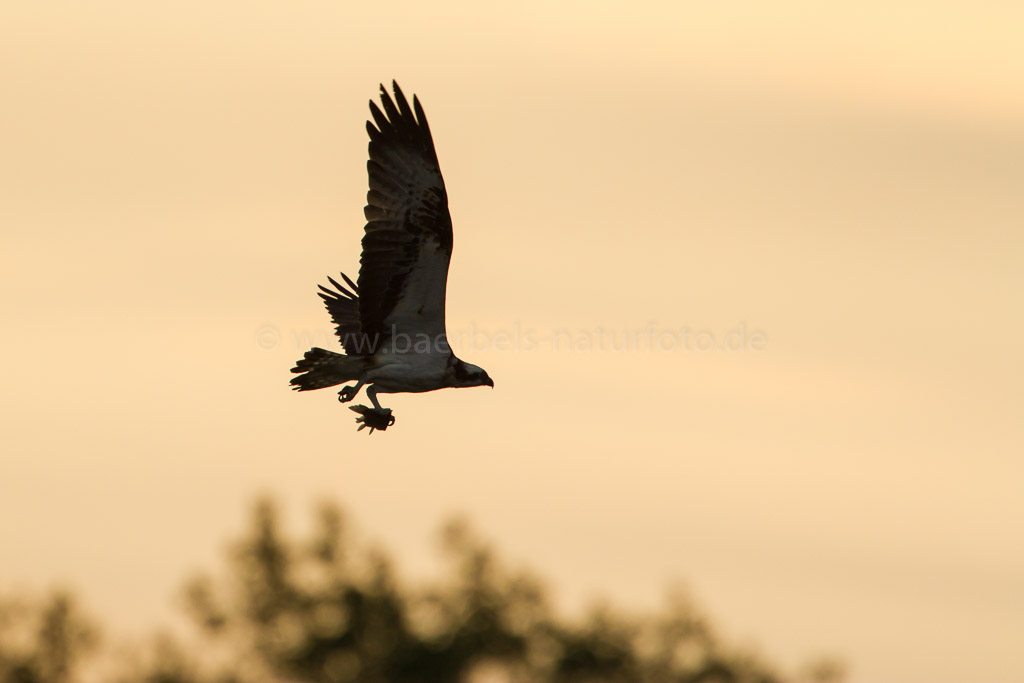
<point x="844" y="180"/>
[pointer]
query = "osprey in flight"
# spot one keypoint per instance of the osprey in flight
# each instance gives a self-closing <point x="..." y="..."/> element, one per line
<point x="391" y="324"/>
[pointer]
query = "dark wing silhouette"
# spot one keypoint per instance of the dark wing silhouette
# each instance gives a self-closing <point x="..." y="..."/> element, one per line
<point x="343" y="305"/>
<point x="408" y="241"/>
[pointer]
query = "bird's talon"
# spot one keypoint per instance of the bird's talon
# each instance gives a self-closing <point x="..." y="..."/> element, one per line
<point x="374" y="418"/>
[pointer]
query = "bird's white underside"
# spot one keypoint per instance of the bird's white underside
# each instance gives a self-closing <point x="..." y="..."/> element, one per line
<point x="416" y="358"/>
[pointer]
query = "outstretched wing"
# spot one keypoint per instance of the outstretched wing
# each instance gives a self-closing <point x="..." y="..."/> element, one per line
<point x="343" y="305"/>
<point x="408" y="241"/>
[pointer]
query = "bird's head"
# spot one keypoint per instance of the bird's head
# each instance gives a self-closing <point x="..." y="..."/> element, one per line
<point x="469" y="375"/>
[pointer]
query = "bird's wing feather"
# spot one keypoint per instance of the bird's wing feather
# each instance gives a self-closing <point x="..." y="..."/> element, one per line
<point x="408" y="242"/>
<point x="343" y="305"/>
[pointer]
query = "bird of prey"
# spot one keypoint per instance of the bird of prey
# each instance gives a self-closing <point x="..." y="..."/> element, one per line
<point x="392" y="321"/>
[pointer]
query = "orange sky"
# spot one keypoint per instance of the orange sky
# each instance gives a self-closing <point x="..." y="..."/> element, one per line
<point x="176" y="180"/>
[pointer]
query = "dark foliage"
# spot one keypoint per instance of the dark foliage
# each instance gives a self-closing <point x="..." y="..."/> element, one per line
<point x="328" y="610"/>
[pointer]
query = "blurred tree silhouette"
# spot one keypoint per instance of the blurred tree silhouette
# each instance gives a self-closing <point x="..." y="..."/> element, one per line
<point x="327" y="610"/>
<point x="44" y="641"/>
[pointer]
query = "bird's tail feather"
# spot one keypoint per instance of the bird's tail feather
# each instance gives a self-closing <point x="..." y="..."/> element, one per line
<point x="321" y="368"/>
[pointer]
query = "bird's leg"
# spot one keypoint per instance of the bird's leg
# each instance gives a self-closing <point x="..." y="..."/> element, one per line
<point x="377" y="418"/>
<point x="372" y="394"/>
<point x="349" y="393"/>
